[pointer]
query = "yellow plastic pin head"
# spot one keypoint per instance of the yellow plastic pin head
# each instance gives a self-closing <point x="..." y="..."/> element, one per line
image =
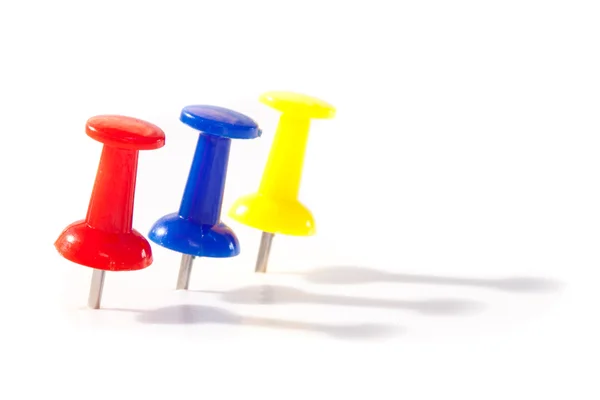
<point x="298" y="104"/>
<point x="275" y="207"/>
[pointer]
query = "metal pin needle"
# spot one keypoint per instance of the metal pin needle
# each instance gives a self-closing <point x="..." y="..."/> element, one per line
<point x="96" y="288"/>
<point x="185" y="271"/>
<point x="263" y="252"/>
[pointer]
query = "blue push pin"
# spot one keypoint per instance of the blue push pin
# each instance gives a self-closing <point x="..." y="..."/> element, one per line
<point x="196" y="229"/>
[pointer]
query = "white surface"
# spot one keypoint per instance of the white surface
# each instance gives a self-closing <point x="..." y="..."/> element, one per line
<point x="466" y="147"/>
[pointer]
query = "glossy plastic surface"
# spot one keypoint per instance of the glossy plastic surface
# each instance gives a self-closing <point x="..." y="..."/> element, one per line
<point x="105" y="239"/>
<point x="298" y="104"/>
<point x="196" y="228"/>
<point x="219" y="121"/>
<point x="275" y="207"/>
<point x="125" y="132"/>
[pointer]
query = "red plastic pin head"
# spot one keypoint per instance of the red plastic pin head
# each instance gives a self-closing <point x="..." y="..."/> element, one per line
<point x="105" y="239"/>
<point x="125" y="132"/>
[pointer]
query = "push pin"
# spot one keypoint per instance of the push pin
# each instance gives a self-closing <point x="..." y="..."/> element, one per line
<point x="275" y="207"/>
<point x="196" y="229"/>
<point x="105" y="239"/>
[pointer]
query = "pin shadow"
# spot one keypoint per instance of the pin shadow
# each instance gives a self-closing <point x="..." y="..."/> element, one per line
<point x="270" y="294"/>
<point x="187" y="314"/>
<point x="347" y="275"/>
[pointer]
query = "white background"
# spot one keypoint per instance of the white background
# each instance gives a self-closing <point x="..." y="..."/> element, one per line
<point x="464" y="152"/>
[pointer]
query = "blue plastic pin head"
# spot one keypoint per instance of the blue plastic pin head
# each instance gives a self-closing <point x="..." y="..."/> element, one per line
<point x="196" y="229"/>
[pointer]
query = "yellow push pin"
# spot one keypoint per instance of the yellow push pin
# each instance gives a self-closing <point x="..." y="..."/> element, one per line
<point x="275" y="207"/>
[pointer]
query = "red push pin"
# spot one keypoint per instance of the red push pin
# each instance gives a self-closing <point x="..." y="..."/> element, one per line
<point x="105" y="240"/>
